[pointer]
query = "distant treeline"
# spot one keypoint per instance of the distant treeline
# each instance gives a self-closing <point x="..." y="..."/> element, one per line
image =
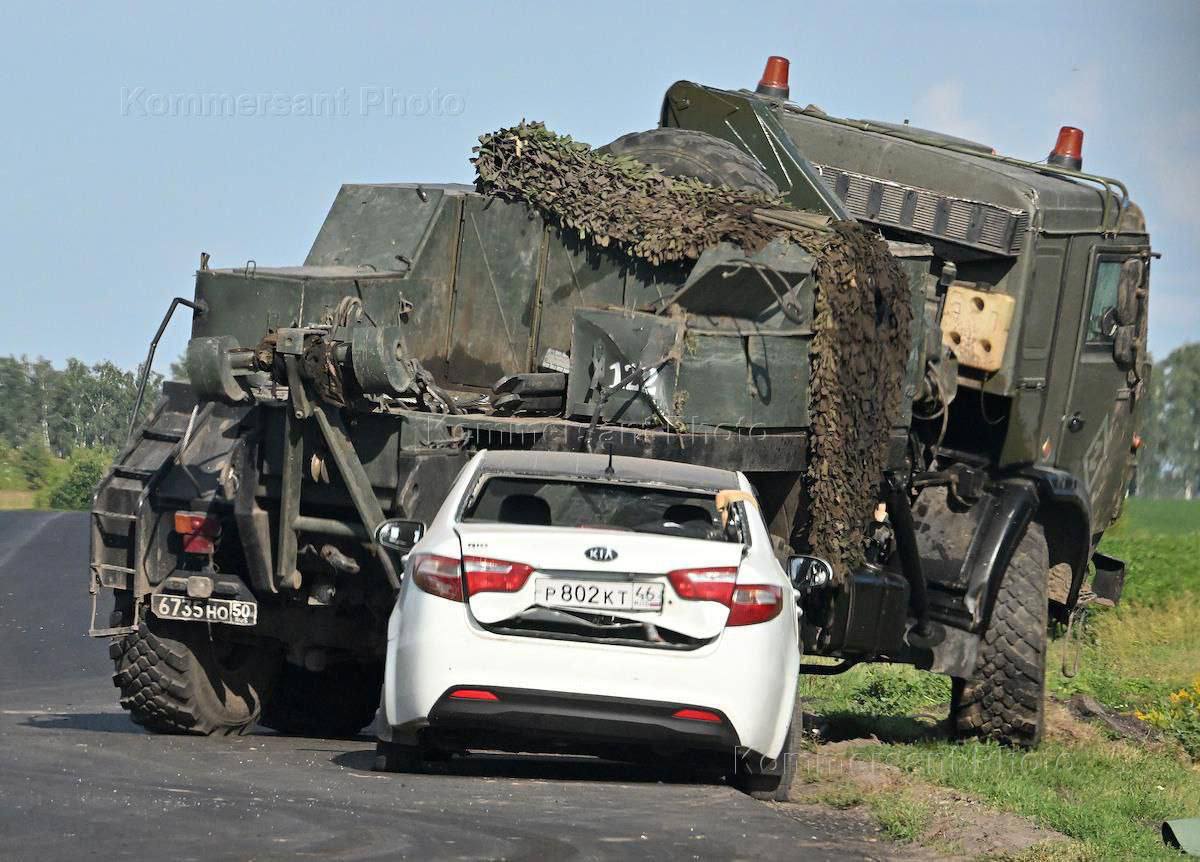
<point x="1169" y="460"/>
<point x="78" y="406"/>
<point x="61" y="427"/>
<point x="55" y="423"/>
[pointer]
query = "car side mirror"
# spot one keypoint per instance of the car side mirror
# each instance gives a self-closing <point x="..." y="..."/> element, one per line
<point x="809" y="573"/>
<point x="398" y="534"/>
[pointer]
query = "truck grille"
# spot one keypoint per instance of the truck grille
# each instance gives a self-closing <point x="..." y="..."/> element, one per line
<point x="959" y="220"/>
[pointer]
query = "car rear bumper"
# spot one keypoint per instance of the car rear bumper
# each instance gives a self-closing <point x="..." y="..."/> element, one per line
<point x="748" y="676"/>
<point x="525" y="718"/>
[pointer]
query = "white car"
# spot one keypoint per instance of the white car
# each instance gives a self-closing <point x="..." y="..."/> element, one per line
<point x="616" y="606"/>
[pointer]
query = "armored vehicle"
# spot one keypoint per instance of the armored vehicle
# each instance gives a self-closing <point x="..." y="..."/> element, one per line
<point x="928" y="363"/>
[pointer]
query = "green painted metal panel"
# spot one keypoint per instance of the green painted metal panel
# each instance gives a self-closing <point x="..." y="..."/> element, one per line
<point x="577" y="274"/>
<point x="499" y="260"/>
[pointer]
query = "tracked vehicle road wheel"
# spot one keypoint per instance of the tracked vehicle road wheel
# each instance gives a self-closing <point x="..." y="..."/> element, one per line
<point x="336" y="702"/>
<point x="686" y="153"/>
<point x="179" y="678"/>
<point x="1006" y="699"/>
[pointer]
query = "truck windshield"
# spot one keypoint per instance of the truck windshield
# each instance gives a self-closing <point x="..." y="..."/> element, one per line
<point x="602" y="505"/>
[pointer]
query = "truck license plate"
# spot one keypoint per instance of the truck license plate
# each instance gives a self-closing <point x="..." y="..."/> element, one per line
<point x="598" y="595"/>
<point x="230" y="611"/>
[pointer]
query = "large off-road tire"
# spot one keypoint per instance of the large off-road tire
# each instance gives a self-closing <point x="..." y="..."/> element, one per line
<point x="336" y="702"/>
<point x="182" y="678"/>
<point x="686" y="153"/>
<point x="1006" y="698"/>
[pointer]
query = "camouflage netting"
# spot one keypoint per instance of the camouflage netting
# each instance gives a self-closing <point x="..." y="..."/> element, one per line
<point x="616" y="200"/>
<point x="863" y="305"/>
<point x="859" y="357"/>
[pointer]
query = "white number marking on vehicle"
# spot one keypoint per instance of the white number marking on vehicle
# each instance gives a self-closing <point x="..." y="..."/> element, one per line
<point x="650" y="384"/>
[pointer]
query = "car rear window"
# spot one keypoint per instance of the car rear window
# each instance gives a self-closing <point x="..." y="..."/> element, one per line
<point x="605" y="505"/>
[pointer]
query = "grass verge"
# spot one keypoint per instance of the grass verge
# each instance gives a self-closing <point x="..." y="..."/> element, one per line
<point x="1107" y="795"/>
<point x="17" y="500"/>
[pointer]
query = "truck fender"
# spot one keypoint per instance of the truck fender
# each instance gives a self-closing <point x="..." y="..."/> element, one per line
<point x="1066" y="516"/>
<point x="1012" y="506"/>
<point x="966" y="547"/>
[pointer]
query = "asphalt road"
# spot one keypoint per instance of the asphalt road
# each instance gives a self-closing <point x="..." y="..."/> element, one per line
<point x="79" y="780"/>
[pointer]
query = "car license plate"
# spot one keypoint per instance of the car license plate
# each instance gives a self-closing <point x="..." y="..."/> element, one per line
<point x="598" y="595"/>
<point x="230" y="611"/>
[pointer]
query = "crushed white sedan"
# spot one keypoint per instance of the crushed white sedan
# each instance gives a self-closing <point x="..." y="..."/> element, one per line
<point x="621" y="607"/>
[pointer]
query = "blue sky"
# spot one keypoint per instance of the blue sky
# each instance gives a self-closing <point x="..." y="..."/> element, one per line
<point x="112" y="186"/>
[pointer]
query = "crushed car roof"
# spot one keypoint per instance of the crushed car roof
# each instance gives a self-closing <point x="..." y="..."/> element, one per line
<point x="625" y="469"/>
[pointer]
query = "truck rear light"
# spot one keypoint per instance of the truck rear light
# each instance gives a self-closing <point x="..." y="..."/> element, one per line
<point x="473" y="694"/>
<point x="438" y="576"/>
<point x="696" y="715"/>
<point x="754" y="603"/>
<point x="704" y="585"/>
<point x="485" y="575"/>
<point x="197" y="530"/>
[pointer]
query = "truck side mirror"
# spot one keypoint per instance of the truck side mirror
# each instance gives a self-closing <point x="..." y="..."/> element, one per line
<point x="809" y="573"/>
<point x="398" y="534"/>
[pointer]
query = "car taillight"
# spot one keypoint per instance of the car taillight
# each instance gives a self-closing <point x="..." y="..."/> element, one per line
<point x="747" y="603"/>
<point x="197" y="530"/>
<point x="754" y="603"/>
<point x="438" y="576"/>
<point x="473" y="694"/>
<point x="696" y="715"/>
<point x="485" y="575"/>
<point x="704" y="585"/>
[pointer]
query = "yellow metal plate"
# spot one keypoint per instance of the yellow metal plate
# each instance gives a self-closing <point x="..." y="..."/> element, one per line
<point x="975" y="326"/>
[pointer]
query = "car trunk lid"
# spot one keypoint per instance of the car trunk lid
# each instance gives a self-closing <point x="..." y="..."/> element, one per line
<point x="591" y="584"/>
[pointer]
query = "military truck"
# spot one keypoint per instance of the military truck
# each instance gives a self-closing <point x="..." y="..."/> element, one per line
<point x="235" y="534"/>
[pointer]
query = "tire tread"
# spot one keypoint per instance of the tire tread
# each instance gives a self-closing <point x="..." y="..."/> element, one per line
<point x="154" y="675"/>
<point x="1005" y="700"/>
<point x="685" y="152"/>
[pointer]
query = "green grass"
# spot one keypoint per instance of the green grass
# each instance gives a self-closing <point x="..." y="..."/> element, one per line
<point x="1157" y="518"/>
<point x="893" y="702"/>
<point x="902" y="817"/>
<point x="1148" y="646"/>
<point x="1110" y="796"/>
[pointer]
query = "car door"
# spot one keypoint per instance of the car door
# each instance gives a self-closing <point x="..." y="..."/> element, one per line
<point x="1097" y="427"/>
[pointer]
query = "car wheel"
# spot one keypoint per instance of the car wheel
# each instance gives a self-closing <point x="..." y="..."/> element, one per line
<point x="423" y="757"/>
<point x="772" y="780"/>
<point x="395" y="757"/>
